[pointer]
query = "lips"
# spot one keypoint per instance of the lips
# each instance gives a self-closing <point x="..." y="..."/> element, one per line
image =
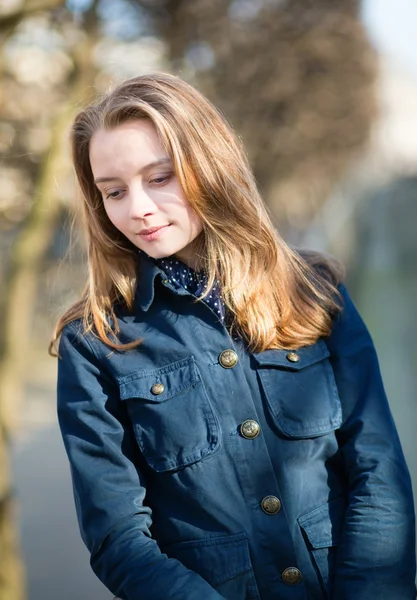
<point x="153" y="233"/>
<point x="151" y="230"/>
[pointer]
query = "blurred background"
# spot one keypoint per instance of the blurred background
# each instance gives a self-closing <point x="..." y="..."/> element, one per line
<point x="324" y="95"/>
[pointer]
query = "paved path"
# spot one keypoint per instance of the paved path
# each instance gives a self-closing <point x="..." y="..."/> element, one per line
<point x="57" y="563"/>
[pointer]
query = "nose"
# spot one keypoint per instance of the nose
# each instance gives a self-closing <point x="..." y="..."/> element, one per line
<point x="141" y="204"/>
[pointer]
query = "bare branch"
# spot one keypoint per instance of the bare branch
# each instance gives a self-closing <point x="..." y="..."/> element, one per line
<point x="9" y="22"/>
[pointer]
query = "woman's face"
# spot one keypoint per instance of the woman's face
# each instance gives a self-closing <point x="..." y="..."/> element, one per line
<point x="141" y="193"/>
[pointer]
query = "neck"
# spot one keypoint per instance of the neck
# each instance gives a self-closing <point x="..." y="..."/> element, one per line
<point x="191" y="255"/>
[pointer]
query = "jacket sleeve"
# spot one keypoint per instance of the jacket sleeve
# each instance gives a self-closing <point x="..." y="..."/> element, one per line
<point x="376" y="555"/>
<point x="109" y="489"/>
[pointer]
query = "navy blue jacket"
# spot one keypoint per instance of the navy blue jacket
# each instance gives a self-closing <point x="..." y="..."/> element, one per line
<point x="180" y="498"/>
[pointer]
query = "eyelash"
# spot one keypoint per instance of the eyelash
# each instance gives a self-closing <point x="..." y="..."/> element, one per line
<point x="161" y="180"/>
<point x="110" y="195"/>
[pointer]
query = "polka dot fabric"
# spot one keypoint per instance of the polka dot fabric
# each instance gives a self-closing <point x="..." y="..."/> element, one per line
<point x="182" y="276"/>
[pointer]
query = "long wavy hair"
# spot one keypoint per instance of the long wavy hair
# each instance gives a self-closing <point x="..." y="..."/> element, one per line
<point x="277" y="297"/>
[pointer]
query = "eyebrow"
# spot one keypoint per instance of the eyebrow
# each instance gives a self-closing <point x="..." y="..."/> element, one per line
<point x="152" y="165"/>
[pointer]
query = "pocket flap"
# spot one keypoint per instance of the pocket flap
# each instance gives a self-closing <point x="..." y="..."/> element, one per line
<point x="216" y="559"/>
<point x="307" y="356"/>
<point x="323" y="526"/>
<point x="175" y="378"/>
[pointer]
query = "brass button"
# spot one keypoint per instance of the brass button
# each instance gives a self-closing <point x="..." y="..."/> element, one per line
<point x="293" y="357"/>
<point x="157" y="388"/>
<point x="291" y="576"/>
<point x="250" y="429"/>
<point x="271" y="505"/>
<point x="228" y="359"/>
<point x="165" y="281"/>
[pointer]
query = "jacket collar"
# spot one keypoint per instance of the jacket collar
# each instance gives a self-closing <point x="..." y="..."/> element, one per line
<point x="147" y="272"/>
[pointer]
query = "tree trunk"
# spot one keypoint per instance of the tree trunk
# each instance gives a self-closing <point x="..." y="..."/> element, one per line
<point x="17" y="306"/>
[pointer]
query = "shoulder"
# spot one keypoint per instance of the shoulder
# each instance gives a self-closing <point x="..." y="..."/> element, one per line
<point x="77" y="344"/>
<point x="74" y="333"/>
<point x="82" y="363"/>
<point x="350" y="336"/>
<point x="324" y="266"/>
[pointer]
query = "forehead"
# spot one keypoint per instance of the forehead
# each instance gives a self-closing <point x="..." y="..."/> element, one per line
<point x="131" y="145"/>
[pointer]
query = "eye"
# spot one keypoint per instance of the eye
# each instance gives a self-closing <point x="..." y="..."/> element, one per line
<point x="116" y="194"/>
<point x="161" y="179"/>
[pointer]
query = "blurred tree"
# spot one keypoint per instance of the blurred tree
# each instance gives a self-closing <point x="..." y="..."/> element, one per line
<point x="40" y="165"/>
<point x="11" y="19"/>
<point x="296" y="79"/>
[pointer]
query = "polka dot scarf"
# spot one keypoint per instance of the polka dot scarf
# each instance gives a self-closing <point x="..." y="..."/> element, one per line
<point x="182" y="276"/>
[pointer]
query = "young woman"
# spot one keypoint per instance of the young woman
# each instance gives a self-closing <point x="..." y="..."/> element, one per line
<point x="218" y="394"/>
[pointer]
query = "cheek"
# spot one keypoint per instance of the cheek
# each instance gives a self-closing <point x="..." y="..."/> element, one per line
<point x="194" y="221"/>
<point x="197" y="224"/>
<point x="113" y="214"/>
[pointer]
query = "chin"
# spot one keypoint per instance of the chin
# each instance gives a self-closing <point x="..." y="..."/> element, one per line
<point x="159" y="254"/>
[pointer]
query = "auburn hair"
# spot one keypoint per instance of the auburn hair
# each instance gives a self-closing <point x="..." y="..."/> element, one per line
<point x="277" y="297"/>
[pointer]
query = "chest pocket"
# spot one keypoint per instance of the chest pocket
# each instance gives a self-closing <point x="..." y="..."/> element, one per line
<point x="171" y="414"/>
<point x="300" y="390"/>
